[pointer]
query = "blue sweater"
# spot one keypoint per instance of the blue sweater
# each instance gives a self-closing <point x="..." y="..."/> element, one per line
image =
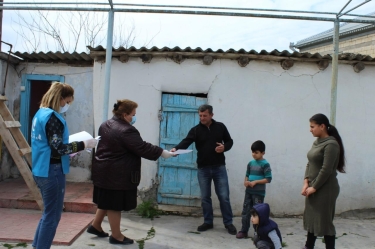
<point x="258" y="170"/>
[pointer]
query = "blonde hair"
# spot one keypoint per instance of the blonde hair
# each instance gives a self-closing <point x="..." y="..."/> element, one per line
<point x="123" y="106"/>
<point x="54" y="94"/>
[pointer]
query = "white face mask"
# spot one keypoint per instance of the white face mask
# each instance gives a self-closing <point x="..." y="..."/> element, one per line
<point x="64" y="108"/>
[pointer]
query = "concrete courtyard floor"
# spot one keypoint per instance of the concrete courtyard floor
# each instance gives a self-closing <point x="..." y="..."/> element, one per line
<point x="180" y="232"/>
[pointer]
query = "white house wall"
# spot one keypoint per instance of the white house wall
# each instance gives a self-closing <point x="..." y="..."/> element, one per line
<point x="259" y="101"/>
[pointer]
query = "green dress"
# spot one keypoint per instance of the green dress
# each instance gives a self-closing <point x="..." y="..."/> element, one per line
<point x="321" y="173"/>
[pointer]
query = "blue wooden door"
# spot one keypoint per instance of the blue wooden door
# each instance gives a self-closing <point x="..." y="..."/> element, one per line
<point x="178" y="175"/>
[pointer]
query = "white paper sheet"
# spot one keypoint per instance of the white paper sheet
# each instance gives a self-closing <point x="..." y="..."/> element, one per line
<point x="178" y="152"/>
<point x="81" y="136"/>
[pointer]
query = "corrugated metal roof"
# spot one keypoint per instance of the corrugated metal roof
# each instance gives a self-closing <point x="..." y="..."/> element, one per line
<point x="57" y="57"/>
<point x="346" y="29"/>
<point x="99" y="51"/>
<point x="230" y="54"/>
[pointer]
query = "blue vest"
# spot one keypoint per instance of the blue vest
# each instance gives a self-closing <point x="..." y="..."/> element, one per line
<point x="41" y="151"/>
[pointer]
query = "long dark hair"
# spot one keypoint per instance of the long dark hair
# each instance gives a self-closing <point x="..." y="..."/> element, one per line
<point x="332" y="131"/>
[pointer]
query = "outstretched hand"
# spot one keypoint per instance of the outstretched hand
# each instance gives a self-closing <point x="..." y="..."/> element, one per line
<point x="219" y="148"/>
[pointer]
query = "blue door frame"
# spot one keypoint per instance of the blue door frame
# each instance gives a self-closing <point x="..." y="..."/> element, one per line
<point x="25" y="97"/>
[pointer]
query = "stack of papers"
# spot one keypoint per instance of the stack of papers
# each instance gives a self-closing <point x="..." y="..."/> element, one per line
<point x="179" y="152"/>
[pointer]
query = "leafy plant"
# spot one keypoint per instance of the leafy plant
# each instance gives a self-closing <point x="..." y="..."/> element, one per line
<point x="13" y="246"/>
<point x="148" y="210"/>
<point x="150" y="235"/>
<point x="283" y="244"/>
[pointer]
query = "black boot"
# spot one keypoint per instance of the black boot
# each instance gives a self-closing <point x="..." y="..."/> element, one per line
<point x="330" y="241"/>
<point x="310" y="242"/>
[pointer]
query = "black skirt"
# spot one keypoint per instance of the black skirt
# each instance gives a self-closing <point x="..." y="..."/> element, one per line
<point x="117" y="200"/>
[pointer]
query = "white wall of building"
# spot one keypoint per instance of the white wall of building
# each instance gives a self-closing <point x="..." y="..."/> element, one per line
<point x="259" y="101"/>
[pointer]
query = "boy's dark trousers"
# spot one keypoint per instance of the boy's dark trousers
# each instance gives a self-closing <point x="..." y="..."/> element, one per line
<point x="262" y="244"/>
<point x="248" y="203"/>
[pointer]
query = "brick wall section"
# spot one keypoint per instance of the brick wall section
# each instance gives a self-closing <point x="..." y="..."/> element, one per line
<point x="364" y="45"/>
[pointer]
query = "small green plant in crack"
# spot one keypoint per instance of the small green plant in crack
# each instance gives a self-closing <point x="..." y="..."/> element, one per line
<point x="148" y="210"/>
<point x="150" y="235"/>
<point x="283" y="244"/>
<point x="24" y="245"/>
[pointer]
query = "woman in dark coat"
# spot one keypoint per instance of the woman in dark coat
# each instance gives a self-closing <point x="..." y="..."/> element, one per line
<point x="321" y="187"/>
<point x="116" y="169"/>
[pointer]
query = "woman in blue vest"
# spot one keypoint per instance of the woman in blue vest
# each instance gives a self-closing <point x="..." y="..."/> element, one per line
<point x="50" y="158"/>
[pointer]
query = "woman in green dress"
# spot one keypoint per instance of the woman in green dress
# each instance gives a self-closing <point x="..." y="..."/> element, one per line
<point x="320" y="186"/>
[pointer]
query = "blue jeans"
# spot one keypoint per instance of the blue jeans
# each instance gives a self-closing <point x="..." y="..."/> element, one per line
<point x="248" y="203"/>
<point x="53" y="190"/>
<point x="219" y="175"/>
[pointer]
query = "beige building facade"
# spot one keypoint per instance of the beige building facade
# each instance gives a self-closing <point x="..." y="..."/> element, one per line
<point x="364" y="45"/>
<point x="354" y="38"/>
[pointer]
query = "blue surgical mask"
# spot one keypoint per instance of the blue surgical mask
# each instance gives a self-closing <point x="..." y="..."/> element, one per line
<point x="64" y="108"/>
<point x="134" y="118"/>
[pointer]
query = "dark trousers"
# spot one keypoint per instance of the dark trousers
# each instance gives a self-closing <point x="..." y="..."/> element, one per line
<point x="248" y="203"/>
<point x="219" y="176"/>
<point x="329" y="241"/>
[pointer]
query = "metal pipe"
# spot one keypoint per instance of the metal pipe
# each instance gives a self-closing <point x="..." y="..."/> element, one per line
<point x="186" y="12"/>
<point x="108" y="63"/>
<point x="343" y="7"/>
<point x="229" y="8"/>
<point x="188" y="7"/>
<point x="355" y="7"/>
<point x="335" y="58"/>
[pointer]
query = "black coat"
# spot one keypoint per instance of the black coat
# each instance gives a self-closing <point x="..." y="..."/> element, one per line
<point x="117" y="162"/>
<point x="205" y="139"/>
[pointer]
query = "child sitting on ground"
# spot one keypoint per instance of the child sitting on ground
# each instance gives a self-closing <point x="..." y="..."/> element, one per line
<point x="267" y="234"/>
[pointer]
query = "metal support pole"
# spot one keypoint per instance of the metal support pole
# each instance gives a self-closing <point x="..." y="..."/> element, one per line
<point x="335" y="58"/>
<point x="108" y="63"/>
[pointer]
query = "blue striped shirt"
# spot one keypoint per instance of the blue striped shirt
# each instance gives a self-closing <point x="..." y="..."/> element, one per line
<point x="258" y="170"/>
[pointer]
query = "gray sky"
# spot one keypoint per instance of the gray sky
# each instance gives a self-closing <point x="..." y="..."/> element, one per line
<point x="203" y="31"/>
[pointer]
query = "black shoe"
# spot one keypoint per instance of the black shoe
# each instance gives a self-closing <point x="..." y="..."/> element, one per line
<point x="231" y="229"/>
<point x="205" y="227"/>
<point x="93" y="230"/>
<point x="125" y="241"/>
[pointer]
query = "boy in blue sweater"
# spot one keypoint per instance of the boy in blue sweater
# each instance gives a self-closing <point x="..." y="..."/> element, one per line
<point x="257" y="175"/>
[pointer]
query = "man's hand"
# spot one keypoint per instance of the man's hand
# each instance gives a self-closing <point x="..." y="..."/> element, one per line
<point x="219" y="148"/>
<point x="173" y="150"/>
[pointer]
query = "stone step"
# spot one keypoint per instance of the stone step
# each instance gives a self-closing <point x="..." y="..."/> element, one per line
<point x="15" y="194"/>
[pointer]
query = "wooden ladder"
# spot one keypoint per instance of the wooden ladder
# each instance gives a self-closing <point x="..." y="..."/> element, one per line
<point x="18" y="147"/>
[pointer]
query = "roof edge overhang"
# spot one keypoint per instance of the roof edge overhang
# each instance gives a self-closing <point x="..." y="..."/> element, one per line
<point x="12" y="59"/>
<point x="357" y="32"/>
<point x="301" y="57"/>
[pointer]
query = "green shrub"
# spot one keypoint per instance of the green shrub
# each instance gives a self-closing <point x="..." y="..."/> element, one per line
<point x="148" y="210"/>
